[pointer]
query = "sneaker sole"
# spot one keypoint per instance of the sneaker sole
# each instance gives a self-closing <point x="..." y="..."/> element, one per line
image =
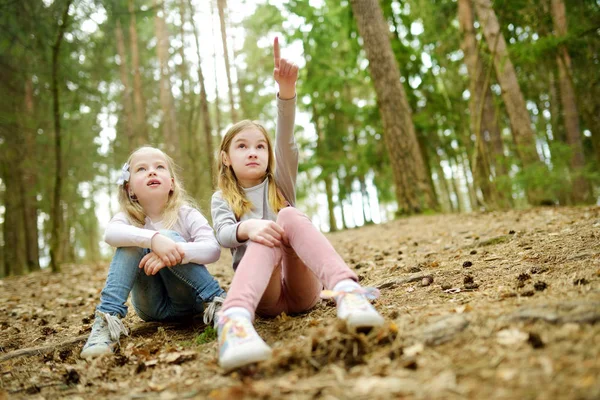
<point x="95" y="353"/>
<point x="362" y="322"/>
<point x="245" y="354"/>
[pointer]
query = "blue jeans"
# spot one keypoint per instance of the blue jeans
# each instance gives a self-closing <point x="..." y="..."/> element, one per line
<point x="173" y="293"/>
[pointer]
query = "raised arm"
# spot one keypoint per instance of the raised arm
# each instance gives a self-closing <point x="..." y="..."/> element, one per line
<point x="286" y="151"/>
<point x="285" y="73"/>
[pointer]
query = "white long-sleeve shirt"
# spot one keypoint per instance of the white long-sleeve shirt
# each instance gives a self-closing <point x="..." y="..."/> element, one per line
<point x="200" y="247"/>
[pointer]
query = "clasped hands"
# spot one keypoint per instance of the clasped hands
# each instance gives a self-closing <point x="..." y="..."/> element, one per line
<point x="165" y="253"/>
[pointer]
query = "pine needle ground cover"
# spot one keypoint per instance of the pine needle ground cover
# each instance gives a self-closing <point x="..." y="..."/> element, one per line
<point x="482" y="305"/>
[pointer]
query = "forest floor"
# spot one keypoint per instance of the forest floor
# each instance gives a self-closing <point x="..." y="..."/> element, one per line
<point x="498" y="305"/>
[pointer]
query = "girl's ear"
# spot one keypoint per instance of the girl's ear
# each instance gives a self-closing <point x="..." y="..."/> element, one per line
<point x="172" y="184"/>
<point x="225" y="159"/>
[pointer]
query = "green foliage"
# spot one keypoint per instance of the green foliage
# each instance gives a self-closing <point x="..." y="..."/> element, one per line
<point x="208" y="335"/>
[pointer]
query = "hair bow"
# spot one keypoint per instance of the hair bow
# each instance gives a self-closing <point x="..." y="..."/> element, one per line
<point x="124" y="177"/>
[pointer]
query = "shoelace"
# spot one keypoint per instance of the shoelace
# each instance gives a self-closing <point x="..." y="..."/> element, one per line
<point x="370" y="293"/>
<point x="115" y="326"/>
<point x="212" y="309"/>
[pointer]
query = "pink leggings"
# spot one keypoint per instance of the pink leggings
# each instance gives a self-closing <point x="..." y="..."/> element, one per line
<point x="272" y="280"/>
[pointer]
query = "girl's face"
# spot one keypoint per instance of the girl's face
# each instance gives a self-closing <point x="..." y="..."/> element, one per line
<point x="150" y="179"/>
<point x="248" y="155"/>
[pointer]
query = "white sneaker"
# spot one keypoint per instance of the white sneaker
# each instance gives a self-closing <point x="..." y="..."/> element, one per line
<point x="354" y="307"/>
<point x="105" y="335"/>
<point x="239" y="344"/>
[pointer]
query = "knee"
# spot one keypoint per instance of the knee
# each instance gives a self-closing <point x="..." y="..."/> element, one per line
<point x="175" y="236"/>
<point x="128" y="255"/>
<point x="289" y="214"/>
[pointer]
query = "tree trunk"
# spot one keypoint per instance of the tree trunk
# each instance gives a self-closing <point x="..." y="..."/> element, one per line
<point x="141" y="129"/>
<point x="413" y="192"/>
<point x="217" y="98"/>
<point x="183" y="68"/>
<point x="222" y="5"/>
<point x="15" y="255"/>
<point x="341" y="201"/>
<point x="124" y="73"/>
<point x="55" y="245"/>
<point x="460" y="207"/>
<point x="482" y="113"/>
<point x="366" y="204"/>
<point x="520" y="121"/>
<point x="204" y="107"/>
<point x="330" y="203"/>
<point x="29" y="181"/>
<point x="581" y="191"/>
<point x="169" y="119"/>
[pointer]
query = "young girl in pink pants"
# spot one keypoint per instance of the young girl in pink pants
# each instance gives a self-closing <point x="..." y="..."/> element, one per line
<point x="281" y="260"/>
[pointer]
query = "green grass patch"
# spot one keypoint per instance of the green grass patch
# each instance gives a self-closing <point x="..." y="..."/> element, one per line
<point x="207" y="336"/>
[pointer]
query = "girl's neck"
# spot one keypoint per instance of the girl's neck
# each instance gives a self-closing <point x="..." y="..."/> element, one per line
<point x="154" y="211"/>
<point x="252" y="183"/>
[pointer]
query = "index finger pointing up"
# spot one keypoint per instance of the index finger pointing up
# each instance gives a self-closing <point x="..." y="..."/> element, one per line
<point x="276" y="55"/>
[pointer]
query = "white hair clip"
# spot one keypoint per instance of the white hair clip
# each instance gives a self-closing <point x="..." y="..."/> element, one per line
<point x="124" y="177"/>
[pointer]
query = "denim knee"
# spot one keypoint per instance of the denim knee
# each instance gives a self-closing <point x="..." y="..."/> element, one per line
<point x="174" y="236"/>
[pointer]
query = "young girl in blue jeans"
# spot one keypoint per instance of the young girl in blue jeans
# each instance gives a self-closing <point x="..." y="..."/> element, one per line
<point x="281" y="260"/>
<point x="162" y="243"/>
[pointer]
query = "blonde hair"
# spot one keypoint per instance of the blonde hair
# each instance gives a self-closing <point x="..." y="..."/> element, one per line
<point x="177" y="198"/>
<point x="230" y="188"/>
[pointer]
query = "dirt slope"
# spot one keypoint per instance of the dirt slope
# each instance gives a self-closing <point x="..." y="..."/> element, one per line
<point x="500" y="305"/>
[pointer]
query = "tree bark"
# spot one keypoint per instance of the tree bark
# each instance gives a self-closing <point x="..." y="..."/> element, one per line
<point x="222" y="5"/>
<point x="141" y="129"/>
<point x="520" y="121"/>
<point x="581" y="191"/>
<point x="366" y="204"/>
<point x="125" y="81"/>
<point x="29" y="181"/>
<point x="330" y="203"/>
<point x="183" y="68"/>
<point x="483" y="122"/>
<point x="169" y="119"/>
<point x="55" y="245"/>
<point x="206" y="124"/>
<point x="217" y="97"/>
<point x="413" y="192"/>
<point x="15" y="255"/>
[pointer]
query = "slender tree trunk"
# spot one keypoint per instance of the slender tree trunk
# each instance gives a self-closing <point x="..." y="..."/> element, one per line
<point x="217" y="97"/>
<point x="445" y="189"/>
<point x="169" y="119"/>
<point x="520" y="121"/>
<point x="141" y="129"/>
<point x="581" y="191"/>
<point x="460" y="207"/>
<point x="482" y="112"/>
<point x="204" y="108"/>
<point x="183" y="68"/>
<point x="330" y="203"/>
<point x="125" y="81"/>
<point x="29" y="191"/>
<point x="55" y="245"/>
<point x="341" y="201"/>
<point x="222" y="5"/>
<point x="366" y="204"/>
<point x="242" y="100"/>
<point x="413" y="192"/>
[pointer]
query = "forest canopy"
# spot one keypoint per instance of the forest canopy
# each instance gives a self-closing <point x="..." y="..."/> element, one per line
<point x="404" y="106"/>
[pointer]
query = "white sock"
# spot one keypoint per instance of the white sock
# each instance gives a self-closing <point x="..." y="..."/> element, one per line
<point x="346" y="285"/>
<point x="238" y="312"/>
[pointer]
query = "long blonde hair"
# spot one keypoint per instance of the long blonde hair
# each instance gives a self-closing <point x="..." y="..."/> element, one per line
<point x="177" y="198"/>
<point x="230" y="188"/>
